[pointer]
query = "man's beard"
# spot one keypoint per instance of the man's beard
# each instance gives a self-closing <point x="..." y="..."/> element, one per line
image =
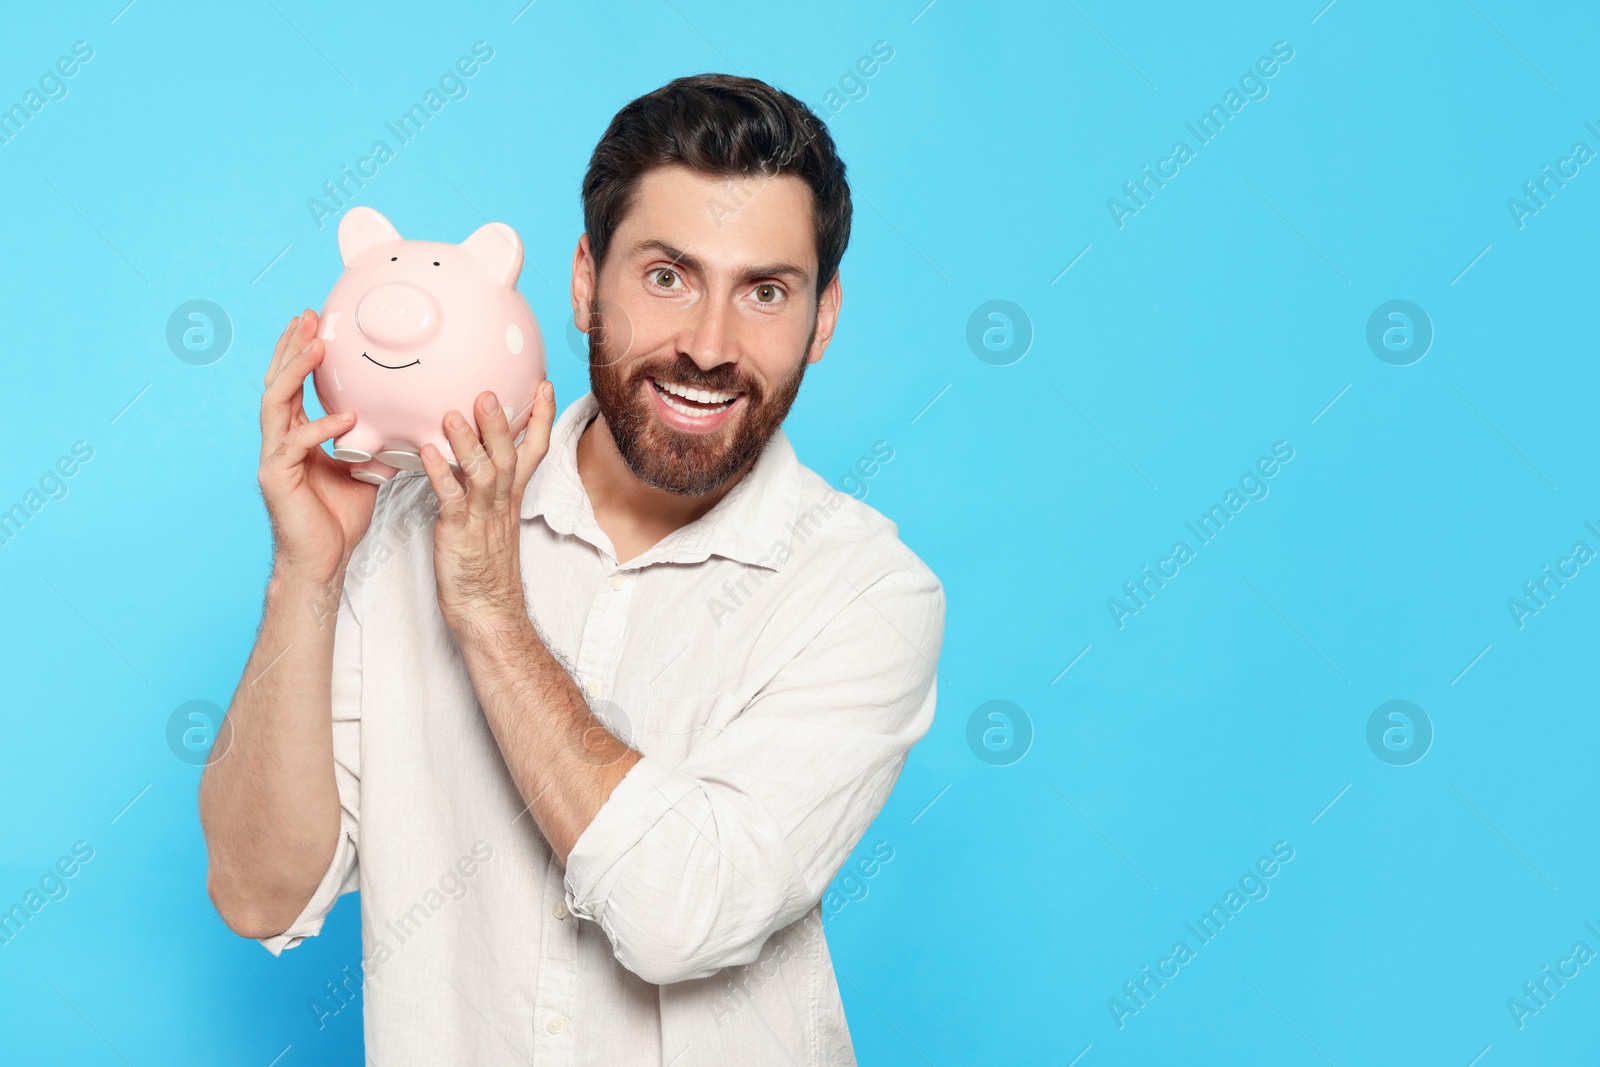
<point x="688" y="464"/>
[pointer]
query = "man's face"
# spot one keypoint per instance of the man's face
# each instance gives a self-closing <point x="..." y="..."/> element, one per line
<point x="707" y="321"/>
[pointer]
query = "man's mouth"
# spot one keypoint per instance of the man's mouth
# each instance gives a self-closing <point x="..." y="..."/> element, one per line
<point x="694" y="403"/>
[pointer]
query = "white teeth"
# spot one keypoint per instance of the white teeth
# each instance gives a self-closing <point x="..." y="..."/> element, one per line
<point x="689" y="412"/>
<point x="704" y="396"/>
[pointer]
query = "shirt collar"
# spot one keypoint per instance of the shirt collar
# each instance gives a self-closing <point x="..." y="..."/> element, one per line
<point x="748" y="524"/>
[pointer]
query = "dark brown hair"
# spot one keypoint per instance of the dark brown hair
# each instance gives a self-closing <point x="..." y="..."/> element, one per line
<point x="721" y="125"/>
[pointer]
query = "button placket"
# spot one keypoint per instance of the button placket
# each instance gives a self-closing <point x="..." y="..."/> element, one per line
<point x="603" y="634"/>
<point x="554" y="1000"/>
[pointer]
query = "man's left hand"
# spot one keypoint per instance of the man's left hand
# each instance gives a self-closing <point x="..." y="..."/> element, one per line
<point x="477" y="562"/>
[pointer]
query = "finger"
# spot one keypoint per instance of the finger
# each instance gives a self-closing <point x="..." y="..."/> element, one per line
<point x="301" y="329"/>
<point x="297" y="443"/>
<point x="284" y="397"/>
<point x="452" y="495"/>
<point x="476" y="466"/>
<point x="536" y="437"/>
<point x="289" y="329"/>
<point x="277" y="352"/>
<point x="289" y="382"/>
<point x="497" y="442"/>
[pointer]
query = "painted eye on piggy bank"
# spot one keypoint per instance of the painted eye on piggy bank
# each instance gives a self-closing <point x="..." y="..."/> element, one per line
<point x="415" y="328"/>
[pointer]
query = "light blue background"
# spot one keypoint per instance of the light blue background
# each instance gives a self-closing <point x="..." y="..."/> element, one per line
<point x="1224" y="317"/>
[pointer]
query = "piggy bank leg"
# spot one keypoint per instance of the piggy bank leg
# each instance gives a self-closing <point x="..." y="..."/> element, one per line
<point x="410" y="459"/>
<point x="404" y="458"/>
<point x="373" y="472"/>
<point x="357" y="444"/>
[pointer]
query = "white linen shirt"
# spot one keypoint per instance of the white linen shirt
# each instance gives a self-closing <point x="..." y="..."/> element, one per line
<point x="773" y="661"/>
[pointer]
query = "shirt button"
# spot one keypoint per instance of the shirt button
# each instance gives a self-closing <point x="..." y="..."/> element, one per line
<point x="592" y="687"/>
<point x="555" y="1024"/>
<point x="559" y="909"/>
<point x="617" y="581"/>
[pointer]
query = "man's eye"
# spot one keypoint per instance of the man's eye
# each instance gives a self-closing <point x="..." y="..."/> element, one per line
<point x="768" y="294"/>
<point x="665" y="277"/>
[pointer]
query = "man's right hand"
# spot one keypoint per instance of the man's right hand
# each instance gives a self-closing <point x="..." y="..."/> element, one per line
<point x="269" y="797"/>
<point x="318" y="512"/>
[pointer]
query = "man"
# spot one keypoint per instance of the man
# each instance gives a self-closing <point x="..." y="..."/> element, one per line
<point x="593" y="751"/>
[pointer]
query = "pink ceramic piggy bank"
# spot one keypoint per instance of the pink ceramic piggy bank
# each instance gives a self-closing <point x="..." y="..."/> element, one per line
<point x="415" y="328"/>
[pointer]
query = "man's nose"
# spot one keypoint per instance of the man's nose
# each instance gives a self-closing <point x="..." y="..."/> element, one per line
<point x="713" y="337"/>
<point x="398" y="316"/>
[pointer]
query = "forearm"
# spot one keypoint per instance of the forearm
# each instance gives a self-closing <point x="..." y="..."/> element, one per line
<point x="686" y="907"/>
<point x="564" y="761"/>
<point x="269" y="803"/>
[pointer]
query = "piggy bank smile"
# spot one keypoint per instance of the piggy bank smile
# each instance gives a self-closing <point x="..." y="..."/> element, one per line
<point x="447" y="315"/>
<point x="393" y="366"/>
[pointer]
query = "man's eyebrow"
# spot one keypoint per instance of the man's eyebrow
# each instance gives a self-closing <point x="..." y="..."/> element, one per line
<point x="772" y="270"/>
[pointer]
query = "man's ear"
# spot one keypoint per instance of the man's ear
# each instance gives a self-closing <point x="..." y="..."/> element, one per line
<point x="827" y="318"/>
<point x="498" y="246"/>
<point x="584" y="282"/>
<point x="361" y="230"/>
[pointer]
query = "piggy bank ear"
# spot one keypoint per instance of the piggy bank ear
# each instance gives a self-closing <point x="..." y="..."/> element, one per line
<point x="361" y="230"/>
<point x="500" y="249"/>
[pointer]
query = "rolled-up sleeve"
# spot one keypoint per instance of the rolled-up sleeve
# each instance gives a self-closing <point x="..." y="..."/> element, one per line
<point x="691" y="869"/>
<point x="343" y="874"/>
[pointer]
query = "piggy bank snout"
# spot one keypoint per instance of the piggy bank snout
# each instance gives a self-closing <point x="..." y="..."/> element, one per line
<point x="397" y="315"/>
